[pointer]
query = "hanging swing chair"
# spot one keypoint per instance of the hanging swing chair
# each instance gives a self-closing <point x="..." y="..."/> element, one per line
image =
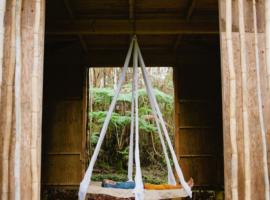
<point x="140" y="192"/>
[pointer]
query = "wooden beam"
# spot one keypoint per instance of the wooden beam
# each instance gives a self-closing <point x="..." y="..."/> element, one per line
<point x="131" y="9"/>
<point x="131" y="16"/>
<point x="190" y="9"/>
<point x="72" y="17"/>
<point x="177" y="42"/>
<point x="120" y="27"/>
<point x="112" y="58"/>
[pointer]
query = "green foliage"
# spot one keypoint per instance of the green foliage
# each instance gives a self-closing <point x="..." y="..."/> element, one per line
<point x="115" y="149"/>
<point x="111" y="176"/>
<point x="120" y="121"/>
<point x="94" y="138"/>
<point x="102" y="95"/>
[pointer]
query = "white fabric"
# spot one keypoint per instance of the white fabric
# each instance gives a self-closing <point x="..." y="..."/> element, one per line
<point x="95" y="189"/>
<point x="176" y="164"/>
<point x="139" y="188"/>
<point x="171" y="178"/>
<point x="131" y="142"/>
<point x="87" y="177"/>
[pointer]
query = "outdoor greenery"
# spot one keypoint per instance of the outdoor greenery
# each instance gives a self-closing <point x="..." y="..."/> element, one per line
<point x="113" y="157"/>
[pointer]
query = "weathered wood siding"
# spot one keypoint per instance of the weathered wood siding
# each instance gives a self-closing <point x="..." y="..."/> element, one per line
<point x="21" y="82"/>
<point x="63" y="163"/>
<point x="198" y="121"/>
<point x="255" y="138"/>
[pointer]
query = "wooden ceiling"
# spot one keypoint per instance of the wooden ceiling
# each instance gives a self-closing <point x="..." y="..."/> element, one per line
<point x="174" y="25"/>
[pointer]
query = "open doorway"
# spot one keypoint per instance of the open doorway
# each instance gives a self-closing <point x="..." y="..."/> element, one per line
<point x="80" y="34"/>
<point x="113" y="157"/>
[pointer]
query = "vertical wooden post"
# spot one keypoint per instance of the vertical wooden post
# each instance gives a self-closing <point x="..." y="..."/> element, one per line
<point x="7" y="94"/>
<point x="267" y="39"/>
<point x="84" y="120"/>
<point x="245" y="115"/>
<point x="21" y="97"/>
<point x="2" y="32"/>
<point x="260" y="105"/>
<point x="232" y="107"/>
<point x="176" y="113"/>
<point x="247" y="43"/>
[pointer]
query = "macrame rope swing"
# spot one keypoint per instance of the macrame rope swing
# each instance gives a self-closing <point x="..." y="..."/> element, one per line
<point x="134" y="126"/>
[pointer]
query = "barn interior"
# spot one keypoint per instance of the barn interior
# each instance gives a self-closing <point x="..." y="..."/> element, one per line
<point x="183" y="34"/>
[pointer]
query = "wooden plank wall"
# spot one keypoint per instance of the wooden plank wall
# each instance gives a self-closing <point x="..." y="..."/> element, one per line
<point x="21" y="82"/>
<point x="63" y="162"/>
<point x="255" y="148"/>
<point x="198" y="122"/>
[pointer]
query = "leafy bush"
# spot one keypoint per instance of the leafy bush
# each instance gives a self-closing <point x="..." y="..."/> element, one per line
<point x="115" y="149"/>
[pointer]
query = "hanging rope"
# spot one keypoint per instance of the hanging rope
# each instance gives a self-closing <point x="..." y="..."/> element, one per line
<point x="171" y="178"/>
<point x="175" y="161"/>
<point x="131" y="142"/>
<point x="87" y="177"/>
<point x="138" y="176"/>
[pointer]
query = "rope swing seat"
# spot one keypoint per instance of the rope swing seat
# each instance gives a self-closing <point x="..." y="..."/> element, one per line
<point x="138" y="191"/>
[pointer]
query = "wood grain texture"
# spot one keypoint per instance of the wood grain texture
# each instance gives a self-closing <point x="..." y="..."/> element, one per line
<point x="252" y="38"/>
<point x="23" y="48"/>
<point x="199" y="123"/>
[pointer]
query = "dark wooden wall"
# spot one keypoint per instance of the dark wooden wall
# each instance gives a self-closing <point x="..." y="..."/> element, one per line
<point x="63" y="117"/>
<point x="198" y="118"/>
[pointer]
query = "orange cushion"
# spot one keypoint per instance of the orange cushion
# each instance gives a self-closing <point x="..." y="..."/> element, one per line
<point x="148" y="186"/>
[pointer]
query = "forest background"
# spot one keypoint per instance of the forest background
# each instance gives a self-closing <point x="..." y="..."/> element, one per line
<point x="113" y="157"/>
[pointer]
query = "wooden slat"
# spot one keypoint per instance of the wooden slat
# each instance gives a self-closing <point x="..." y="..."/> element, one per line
<point x="21" y="179"/>
<point x="255" y="147"/>
<point x="72" y="17"/>
<point x="62" y="170"/>
<point x="152" y="57"/>
<point x="176" y="113"/>
<point x="190" y="9"/>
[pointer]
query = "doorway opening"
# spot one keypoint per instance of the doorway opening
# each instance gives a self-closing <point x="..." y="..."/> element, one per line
<point x="113" y="158"/>
<point x="174" y="33"/>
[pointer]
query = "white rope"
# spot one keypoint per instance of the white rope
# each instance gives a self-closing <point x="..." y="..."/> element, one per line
<point x="149" y="86"/>
<point x="139" y="188"/>
<point x="131" y="142"/>
<point x="171" y="178"/>
<point x="87" y="177"/>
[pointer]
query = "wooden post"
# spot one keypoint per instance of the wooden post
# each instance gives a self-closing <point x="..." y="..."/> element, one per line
<point x="176" y="113"/>
<point x="2" y="31"/>
<point x="21" y="97"/>
<point x="243" y="54"/>
<point x="267" y="39"/>
<point x="248" y="38"/>
<point x="84" y="120"/>
<point x="233" y="124"/>
<point x="260" y="105"/>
